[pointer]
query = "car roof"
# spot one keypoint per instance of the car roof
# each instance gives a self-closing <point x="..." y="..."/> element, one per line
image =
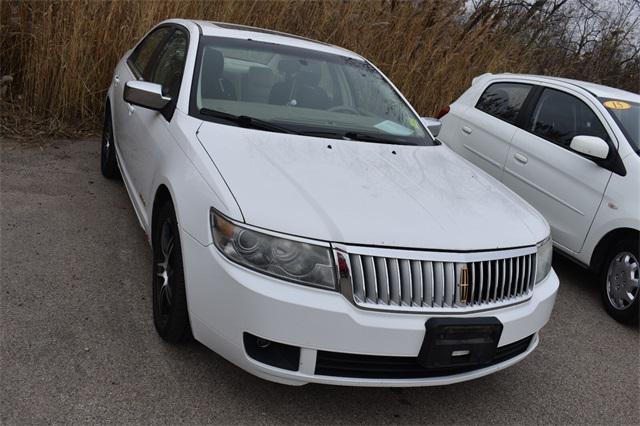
<point x="597" y="90"/>
<point x="223" y="29"/>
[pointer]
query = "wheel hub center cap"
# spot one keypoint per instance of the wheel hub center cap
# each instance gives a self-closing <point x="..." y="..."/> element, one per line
<point x="622" y="280"/>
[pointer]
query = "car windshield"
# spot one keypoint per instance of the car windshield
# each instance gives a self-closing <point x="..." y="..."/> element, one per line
<point x="304" y="91"/>
<point x="627" y="115"/>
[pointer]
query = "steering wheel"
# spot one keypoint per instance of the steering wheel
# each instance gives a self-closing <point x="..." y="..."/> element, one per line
<point x="344" y="108"/>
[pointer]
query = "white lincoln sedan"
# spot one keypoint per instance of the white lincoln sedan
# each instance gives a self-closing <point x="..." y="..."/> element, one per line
<point x="305" y="224"/>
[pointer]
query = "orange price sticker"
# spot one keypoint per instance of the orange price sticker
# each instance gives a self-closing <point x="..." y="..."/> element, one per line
<point x="617" y="105"/>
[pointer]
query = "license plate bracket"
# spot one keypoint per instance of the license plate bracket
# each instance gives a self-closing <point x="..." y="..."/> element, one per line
<point x="459" y="342"/>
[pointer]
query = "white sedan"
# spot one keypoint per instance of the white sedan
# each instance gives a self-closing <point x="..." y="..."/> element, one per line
<point x="304" y="222"/>
<point x="571" y="149"/>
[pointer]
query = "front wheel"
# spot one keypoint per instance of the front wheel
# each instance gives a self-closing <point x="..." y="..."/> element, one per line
<point x="620" y="286"/>
<point x="170" y="312"/>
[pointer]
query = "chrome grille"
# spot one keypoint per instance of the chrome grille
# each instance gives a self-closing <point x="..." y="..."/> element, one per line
<point x="419" y="284"/>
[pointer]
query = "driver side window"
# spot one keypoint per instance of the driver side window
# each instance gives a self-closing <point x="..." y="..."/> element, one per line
<point x="142" y="58"/>
<point x="559" y="117"/>
<point x="170" y="64"/>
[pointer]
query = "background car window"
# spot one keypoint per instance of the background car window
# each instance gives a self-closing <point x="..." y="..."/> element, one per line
<point x="504" y="100"/>
<point x="627" y="115"/>
<point x="560" y="116"/>
<point x="144" y="53"/>
<point x="168" y="69"/>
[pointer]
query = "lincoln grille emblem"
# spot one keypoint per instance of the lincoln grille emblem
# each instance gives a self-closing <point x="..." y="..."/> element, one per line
<point x="464" y="285"/>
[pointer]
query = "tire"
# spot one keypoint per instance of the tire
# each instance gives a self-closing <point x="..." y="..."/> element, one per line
<point x="170" y="311"/>
<point x="108" y="162"/>
<point x="619" y="278"/>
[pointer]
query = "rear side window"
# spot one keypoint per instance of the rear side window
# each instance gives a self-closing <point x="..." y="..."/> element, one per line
<point x="142" y="57"/>
<point x="504" y="100"/>
<point x="559" y="117"/>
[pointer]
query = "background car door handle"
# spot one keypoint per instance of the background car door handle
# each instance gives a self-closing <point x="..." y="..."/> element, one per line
<point x="520" y="158"/>
<point x="466" y="129"/>
<point x="130" y="108"/>
<point x="116" y="80"/>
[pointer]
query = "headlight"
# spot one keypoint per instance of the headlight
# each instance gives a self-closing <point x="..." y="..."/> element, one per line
<point x="543" y="259"/>
<point x="291" y="260"/>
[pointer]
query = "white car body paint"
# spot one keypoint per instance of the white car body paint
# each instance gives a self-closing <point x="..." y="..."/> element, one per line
<point x="360" y="193"/>
<point x="322" y="193"/>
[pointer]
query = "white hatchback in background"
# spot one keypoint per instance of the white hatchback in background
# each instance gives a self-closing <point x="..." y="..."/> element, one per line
<point x="572" y="150"/>
<point x="306" y="226"/>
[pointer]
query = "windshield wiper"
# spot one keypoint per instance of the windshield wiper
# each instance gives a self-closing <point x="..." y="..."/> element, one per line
<point x="247" y="122"/>
<point x="353" y="136"/>
<point x="323" y="133"/>
<point x="370" y="138"/>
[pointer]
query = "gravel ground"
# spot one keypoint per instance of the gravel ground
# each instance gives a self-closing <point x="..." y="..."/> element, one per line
<point x="78" y="343"/>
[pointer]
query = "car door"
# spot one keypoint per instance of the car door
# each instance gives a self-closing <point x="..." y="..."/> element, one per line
<point x="150" y="127"/>
<point x="482" y="134"/>
<point x="135" y="67"/>
<point x="119" y="108"/>
<point x="565" y="186"/>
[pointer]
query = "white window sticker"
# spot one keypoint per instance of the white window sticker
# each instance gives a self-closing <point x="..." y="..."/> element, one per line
<point x="393" y="128"/>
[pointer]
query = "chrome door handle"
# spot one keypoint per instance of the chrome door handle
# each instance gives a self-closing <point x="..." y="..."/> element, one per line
<point x="466" y="129"/>
<point x="116" y="80"/>
<point x="520" y="158"/>
<point x="131" y="109"/>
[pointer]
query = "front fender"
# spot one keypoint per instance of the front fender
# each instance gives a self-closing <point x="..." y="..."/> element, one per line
<point x="193" y="181"/>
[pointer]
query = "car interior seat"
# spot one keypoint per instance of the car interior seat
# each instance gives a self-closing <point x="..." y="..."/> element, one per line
<point x="214" y="85"/>
<point x="282" y="91"/>
<point x="257" y="84"/>
<point x="301" y="86"/>
<point x="308" y="93"/>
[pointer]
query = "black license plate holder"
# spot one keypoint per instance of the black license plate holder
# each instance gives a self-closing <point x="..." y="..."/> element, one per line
<point x="459" y="342"/>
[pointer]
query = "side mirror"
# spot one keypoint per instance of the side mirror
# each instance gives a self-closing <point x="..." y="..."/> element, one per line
<point x="433" y="124"/>
<point x="145" y="94"/>
<point x="592" y="146"/>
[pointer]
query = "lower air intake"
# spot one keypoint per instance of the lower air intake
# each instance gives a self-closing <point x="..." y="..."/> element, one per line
<point x="338" y="364"/>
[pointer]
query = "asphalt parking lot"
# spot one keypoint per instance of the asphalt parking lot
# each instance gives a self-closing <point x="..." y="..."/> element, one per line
<point x="78" y="343"/>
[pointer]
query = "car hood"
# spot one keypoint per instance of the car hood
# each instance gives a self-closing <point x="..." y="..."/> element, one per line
<point x="424" y="197"/>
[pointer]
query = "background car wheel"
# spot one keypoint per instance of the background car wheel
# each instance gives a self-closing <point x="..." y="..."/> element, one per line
<point x="170" y="312"/>
<point x="108" y="162"/>
<point x="620" y="274"/>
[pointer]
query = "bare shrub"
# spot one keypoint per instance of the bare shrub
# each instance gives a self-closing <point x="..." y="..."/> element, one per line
<point x="60" y="55"/>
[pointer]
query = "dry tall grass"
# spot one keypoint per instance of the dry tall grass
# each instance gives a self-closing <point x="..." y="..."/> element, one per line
<point x="61" y="54"/>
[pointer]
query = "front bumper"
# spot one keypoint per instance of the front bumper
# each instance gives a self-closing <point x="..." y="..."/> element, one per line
<point x="226" y="301"/>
